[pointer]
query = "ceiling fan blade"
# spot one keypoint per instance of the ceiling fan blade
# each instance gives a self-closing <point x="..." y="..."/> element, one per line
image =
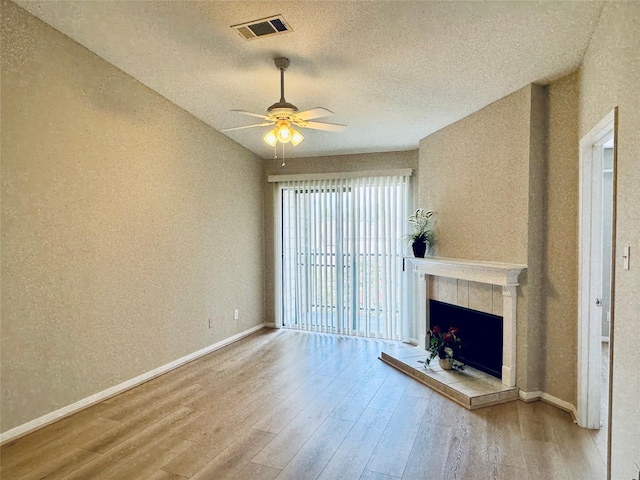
<point x="313" y="113"/>
<point x="251" y="114"/>
<point x="264" y="124"/>
<point x="329" y="127"/>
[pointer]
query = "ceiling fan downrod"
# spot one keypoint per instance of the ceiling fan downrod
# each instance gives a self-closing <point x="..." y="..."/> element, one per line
<point x="283" y="107"/>
<point x="282" y="64"/>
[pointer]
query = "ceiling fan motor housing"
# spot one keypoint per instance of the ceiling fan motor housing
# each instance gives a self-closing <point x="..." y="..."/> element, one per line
<point x="282" y="109"/>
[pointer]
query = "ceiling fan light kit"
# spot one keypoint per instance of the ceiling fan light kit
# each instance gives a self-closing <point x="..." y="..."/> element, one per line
<point x="282" y="115"/>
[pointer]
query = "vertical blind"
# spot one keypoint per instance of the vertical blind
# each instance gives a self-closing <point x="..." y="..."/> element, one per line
<point x="342" y="254"/>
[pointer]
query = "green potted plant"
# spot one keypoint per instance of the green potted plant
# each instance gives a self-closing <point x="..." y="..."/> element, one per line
<point x="444" y="345"/>
<point x="422" y="237"/>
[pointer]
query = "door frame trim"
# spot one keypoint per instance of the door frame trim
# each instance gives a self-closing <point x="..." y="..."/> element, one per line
<point x="589" y="334"/>
<point x="277" y="251"/>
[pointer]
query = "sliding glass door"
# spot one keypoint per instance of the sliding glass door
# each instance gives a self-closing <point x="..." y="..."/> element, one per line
<point x="342" y="254"/>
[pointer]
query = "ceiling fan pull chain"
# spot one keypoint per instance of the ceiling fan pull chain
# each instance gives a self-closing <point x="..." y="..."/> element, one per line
<point x="283" y="154"/>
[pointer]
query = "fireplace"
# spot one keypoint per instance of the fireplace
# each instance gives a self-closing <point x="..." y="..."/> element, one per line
<point x="481" y="335"/>
<point x="502" y="276"/>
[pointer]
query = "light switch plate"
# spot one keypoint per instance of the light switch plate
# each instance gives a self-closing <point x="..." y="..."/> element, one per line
<point x="625" y="257"/>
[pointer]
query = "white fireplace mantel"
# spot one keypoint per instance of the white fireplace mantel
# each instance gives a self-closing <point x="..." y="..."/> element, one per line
<point x="417" y="271"/>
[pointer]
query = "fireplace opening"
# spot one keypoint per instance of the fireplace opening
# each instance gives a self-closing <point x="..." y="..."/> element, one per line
<point x="481" y="335"/>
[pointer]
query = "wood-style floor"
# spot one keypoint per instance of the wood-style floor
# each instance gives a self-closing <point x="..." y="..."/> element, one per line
<point x="283" y="404"/>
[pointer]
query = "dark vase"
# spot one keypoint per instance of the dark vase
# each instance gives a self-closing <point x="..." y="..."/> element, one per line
<point x="419" y="249"/>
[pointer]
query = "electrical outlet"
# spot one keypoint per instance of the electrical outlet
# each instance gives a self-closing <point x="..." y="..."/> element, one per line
<point x="236" y="314"/>
<point x="210" y="323"/>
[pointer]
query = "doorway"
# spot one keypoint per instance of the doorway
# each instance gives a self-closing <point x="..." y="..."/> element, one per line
<point x="596" y="273"/>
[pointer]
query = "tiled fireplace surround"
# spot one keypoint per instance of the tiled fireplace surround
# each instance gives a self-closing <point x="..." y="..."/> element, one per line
<point x="488" y="287"/>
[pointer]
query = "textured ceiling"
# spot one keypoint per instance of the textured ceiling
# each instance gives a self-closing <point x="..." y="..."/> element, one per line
<point x="393" y="71"/>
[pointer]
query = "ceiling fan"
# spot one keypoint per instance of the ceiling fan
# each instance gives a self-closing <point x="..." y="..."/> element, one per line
<point x="283" y="115"/>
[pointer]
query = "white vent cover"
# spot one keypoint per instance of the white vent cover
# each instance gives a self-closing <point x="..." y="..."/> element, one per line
<point x="264" y="27"/>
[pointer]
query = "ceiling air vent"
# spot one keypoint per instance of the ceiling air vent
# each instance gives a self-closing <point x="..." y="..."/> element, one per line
<point x="265" y="27"/>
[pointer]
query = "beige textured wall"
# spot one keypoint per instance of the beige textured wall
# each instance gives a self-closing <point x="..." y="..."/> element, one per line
<point x="338" y="163"/>
<point x="560" y="270"/>
<point x="126" y="224"/>
<point x="609" y="77"/>
<point x="475" y="175"/>
<point x="536" y="322"/>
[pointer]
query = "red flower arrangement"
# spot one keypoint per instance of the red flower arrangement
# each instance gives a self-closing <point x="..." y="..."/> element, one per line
<point x="444" y="345"/>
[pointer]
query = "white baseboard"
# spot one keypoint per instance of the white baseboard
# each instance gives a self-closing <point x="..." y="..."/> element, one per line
<point x="270" y="325"/>
<point x="545" y="397"/>
<point x="49" y="418"/>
